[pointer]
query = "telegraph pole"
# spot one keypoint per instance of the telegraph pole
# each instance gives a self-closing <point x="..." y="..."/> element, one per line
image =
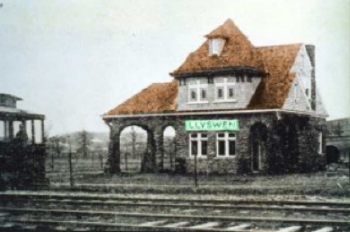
<point x="195" y="171"/>
<point x="70" y="164"/>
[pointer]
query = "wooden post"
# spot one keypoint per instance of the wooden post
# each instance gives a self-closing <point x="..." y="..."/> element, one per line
<point x="70" y="165"/>
<point x="10" y="128"/>
<point x="43" y="137"/>
<point x="33" y="132"/>
<point x="6" y="135"/>
<point x="195" y="171"/>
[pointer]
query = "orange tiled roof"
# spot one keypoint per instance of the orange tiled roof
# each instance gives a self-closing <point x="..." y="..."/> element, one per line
<point x="272" y="91"/>
<point x="157" y="97"/>
<point x="237" y="51"/>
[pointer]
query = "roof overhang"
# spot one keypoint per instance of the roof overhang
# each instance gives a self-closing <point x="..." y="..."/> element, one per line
<point x="179" y="113"/>
<point x="225" y="71"/>
<point x="11" y="96"/>
<point x="18" y="114"/>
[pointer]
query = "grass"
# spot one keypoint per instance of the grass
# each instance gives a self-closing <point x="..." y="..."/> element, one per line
<point x="89" y="176"/>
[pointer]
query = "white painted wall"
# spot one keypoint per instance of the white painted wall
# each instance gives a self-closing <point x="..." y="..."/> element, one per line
<point x="298" y="98"/>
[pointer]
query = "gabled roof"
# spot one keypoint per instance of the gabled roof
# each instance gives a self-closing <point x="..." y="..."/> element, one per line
<point x="237" y="51"/>
<point x="158" y="97"/>
<point x="273" y="89"/>
<point x="275" y="61"/>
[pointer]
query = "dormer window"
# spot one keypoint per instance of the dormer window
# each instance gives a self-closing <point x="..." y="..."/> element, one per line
<point x="215" y="46"/>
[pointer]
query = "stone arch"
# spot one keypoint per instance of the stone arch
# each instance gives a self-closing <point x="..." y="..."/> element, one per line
<point x="258" y="149"/>
<point x="133" y="140"/>
<point x="148" y="163"/>
<point x="332" y="154"/>
<point x="169" y="147"/>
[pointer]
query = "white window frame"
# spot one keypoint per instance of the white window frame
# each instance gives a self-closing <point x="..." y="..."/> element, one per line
<point x="215" y="46"/>
<point x="197" y="87"/>
<point x="199" y="139"/>
<point x="227" y="140"/>
<point x="226" y="85"/>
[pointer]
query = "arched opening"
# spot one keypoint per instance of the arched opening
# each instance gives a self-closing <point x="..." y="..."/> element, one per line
<point x="169" y="152"/>
<point x="258" y="135"/>
<point x="332" y="154"/>
<point x="133" y="147"/>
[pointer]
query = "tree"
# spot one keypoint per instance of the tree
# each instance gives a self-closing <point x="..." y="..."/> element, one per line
<point x="84" y="142"/>
<point x="338" y="130"/>
<point x="56" y="142"/>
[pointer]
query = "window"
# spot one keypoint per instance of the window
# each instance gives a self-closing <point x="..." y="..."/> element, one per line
<point x="215" y="46"/>
<point x="249" y="78"/>
<point x="231" y="92"/>
<point x="198" y="144"/>
<point x="182" y="81"/>
<point x="307" y="92"/>
<point x="198" y="90"/>
<point x="220" y="92"/>
<point x="193" y="94"/>
<point x="225" y="144"/>
<point x="240" y="79"/>
<point x="320" y="144"/>
<point x="225" y="89"/>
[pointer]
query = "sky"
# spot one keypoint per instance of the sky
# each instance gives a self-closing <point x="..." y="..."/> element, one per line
<point x="75" y="60"/>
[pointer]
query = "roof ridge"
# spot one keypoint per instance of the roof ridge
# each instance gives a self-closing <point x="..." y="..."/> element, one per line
<point x="279" y="45"/>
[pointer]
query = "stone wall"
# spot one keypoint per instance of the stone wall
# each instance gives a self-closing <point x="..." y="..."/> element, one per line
<point x="294" y="130"/>
<point x="155" y="127"/>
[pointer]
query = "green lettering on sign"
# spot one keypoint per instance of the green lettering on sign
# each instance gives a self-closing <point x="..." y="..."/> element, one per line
<point x="211" y="125"/>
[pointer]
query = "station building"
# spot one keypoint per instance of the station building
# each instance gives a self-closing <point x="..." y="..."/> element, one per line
<point x="235" y="107"/>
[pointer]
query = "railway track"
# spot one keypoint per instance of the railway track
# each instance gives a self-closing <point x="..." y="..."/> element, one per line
<point x="28" y="212"/>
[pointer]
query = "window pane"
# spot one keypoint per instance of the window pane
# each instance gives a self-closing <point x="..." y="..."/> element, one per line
<point x="182" y="81"/>
<point x="221" y="147"/>
<point x="231" y="92"/>
<point x="230" y="79"/>
<point x="221" y="135"/>
<point x="219" y="80"/>
<point x="216" y="46"/>
<point x="204" y="147"/>
<point x="249" y="78"/>
<point x="204" y="135"/>
<point x="232" y="147"/>
<point x="237" y="79"/>
<point x="194" y="148"/>
<point x="194" y="135"/>
<point x="203" y="94"/>
<point x="203" y="80"/>
<point x="193" y="95"/>
<point x="220" y="93"/>
<point x="231" y="135"/>
<point x="242" y="78"/>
